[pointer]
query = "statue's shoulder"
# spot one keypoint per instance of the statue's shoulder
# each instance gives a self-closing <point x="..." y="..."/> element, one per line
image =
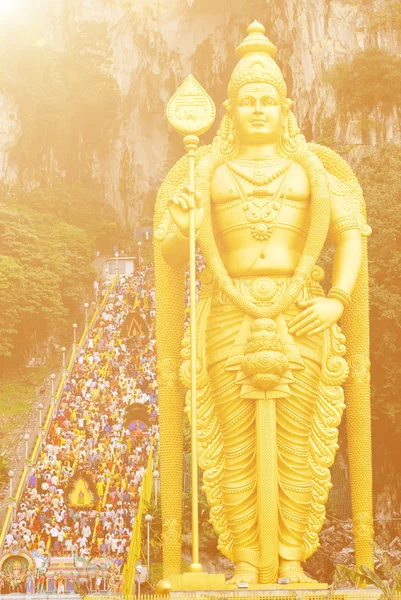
<point x="221" y="173"/>
<point x="335" y="185"/>
<point x="205" y="157"/>
<point x="299" y="183"/>
<point x="221" y="182"/>
<point x="298" y="171"/>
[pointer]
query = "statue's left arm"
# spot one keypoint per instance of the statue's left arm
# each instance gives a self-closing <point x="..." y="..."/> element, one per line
<point x="345" y="233"/>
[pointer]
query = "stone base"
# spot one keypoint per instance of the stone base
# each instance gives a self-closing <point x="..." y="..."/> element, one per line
<point x="190" y="582"/>
<point x="45" y="596"/>
<point x="312" y="585"/>
<point x="291" y="591"/>
<point x="200" y="582"/>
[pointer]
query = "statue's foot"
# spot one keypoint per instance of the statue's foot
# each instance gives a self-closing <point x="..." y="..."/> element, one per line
<point x="293" y="571"/>
<point x="245" y="573"/>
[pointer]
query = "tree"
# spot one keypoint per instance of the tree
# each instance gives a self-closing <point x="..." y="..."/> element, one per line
<point x="378" y="172"/>
<point x="11" y="284"/>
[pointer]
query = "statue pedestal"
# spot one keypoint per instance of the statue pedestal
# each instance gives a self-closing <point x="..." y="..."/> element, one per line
<point x="192" y="582"/>
<point x="199" y="582"/>
<point x="292" y="591"/>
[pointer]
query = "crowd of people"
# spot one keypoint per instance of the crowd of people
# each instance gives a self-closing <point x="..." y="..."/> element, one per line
<point x="91" y="439"/>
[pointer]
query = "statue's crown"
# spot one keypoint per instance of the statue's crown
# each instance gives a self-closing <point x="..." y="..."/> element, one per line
<point x="256" y="41"/>
<point x="256" y="64"/>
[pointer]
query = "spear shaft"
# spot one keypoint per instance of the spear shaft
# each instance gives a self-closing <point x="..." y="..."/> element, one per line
<point x="191" y="143"/>
<point x="191" y="112"/>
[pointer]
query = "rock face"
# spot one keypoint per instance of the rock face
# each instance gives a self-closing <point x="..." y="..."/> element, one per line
<point x="9" y="132"/>
<point x="156" y="44"/>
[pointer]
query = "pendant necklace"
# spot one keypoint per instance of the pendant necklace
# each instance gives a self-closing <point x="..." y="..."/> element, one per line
<point x="259" y="177"/>
<point x="262" y="214"/>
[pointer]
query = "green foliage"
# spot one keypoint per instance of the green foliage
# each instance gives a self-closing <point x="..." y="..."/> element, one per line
<point x="386" y="15"/>
<point x="371" y="78"/>
<point x="207" y="536"/>
<point x="3" y="470"/>
<point x="11" y="283"/>
<point x="48" y="239"/>
<point x="147" y="252"/>
<point x="327" y="131"/>
<point x="67" y="101"/>
<point x="42" y="261"/>
<point x="378" y="172"/>
<point x="389" y="587"/>
<point x="77" y="205"/>
<point x="18" y="389"/>
<point x="68" y="106"/>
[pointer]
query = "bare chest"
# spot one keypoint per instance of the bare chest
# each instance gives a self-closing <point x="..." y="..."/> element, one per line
<point x="260" y="194"/>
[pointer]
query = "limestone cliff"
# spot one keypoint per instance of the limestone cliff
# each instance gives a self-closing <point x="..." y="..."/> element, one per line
<point x="155" y="44"/>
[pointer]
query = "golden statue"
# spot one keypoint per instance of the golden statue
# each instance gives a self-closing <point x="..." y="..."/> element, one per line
<point x="271" y="359"/>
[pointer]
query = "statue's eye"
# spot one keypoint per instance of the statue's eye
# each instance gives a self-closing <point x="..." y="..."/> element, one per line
<point x="269" y="101"/>
<point x="245" y="102"/>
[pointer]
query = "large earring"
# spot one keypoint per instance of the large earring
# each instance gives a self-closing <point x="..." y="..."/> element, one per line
<point x="293" y="128"/>
<point x="290" y="139"/>
<point x="229" y="140"/>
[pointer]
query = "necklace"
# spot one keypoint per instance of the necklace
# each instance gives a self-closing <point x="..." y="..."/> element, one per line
<point x="277" y="160"/>
<point x="262" y="214"/>
<point x="259" y="177"/>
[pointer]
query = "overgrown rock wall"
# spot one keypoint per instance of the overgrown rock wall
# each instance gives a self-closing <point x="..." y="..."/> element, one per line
<point x="155" y="44"/>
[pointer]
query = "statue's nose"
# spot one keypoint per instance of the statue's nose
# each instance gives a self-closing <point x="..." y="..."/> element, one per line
<point x="258" y="107"/>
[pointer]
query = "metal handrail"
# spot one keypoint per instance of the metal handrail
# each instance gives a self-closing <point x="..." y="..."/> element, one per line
<point x="42" y="434"/>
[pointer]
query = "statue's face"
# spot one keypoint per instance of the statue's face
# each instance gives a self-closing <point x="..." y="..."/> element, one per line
<point x="257" y="114"/>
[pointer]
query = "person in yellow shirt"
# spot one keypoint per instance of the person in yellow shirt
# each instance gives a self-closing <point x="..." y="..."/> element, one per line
<point x="100" y="488"/>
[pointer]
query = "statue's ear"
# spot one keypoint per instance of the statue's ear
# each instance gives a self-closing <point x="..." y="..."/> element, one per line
<point x="227" y="106"/>
<point x="287" y="105"/>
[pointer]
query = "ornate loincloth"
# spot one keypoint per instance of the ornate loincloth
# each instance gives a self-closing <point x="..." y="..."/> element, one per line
<point x="308" y="403"/>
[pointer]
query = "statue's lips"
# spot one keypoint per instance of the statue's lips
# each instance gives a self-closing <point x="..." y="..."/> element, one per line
<point x="258" y="122"/>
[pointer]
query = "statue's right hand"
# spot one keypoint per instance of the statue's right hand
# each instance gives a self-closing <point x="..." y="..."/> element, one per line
<point x="180" y="206"/>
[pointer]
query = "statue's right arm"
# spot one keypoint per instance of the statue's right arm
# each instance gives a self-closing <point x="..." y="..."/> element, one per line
<point x="175" y="246"/>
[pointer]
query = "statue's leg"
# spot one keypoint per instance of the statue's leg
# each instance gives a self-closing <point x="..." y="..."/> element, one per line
<point x="294" y="423"/>
<point x="236" y="418"/>
<point x="237" y="424"/>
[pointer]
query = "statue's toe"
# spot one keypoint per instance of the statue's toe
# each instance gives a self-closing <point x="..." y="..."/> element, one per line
<point x="294" y="574"/>
<point x="245" y="573"/>
<point x="244" y="577"/>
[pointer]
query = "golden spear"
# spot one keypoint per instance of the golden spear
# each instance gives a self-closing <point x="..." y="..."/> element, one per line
<point x="191" y="112"/>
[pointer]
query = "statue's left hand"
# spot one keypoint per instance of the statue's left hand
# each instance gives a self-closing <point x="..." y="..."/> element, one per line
<point x="318" y="314"/>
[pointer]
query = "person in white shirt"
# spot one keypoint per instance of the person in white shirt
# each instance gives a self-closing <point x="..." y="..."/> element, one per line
<point x="86" y="531"/>
<point x="54" y="531"/>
